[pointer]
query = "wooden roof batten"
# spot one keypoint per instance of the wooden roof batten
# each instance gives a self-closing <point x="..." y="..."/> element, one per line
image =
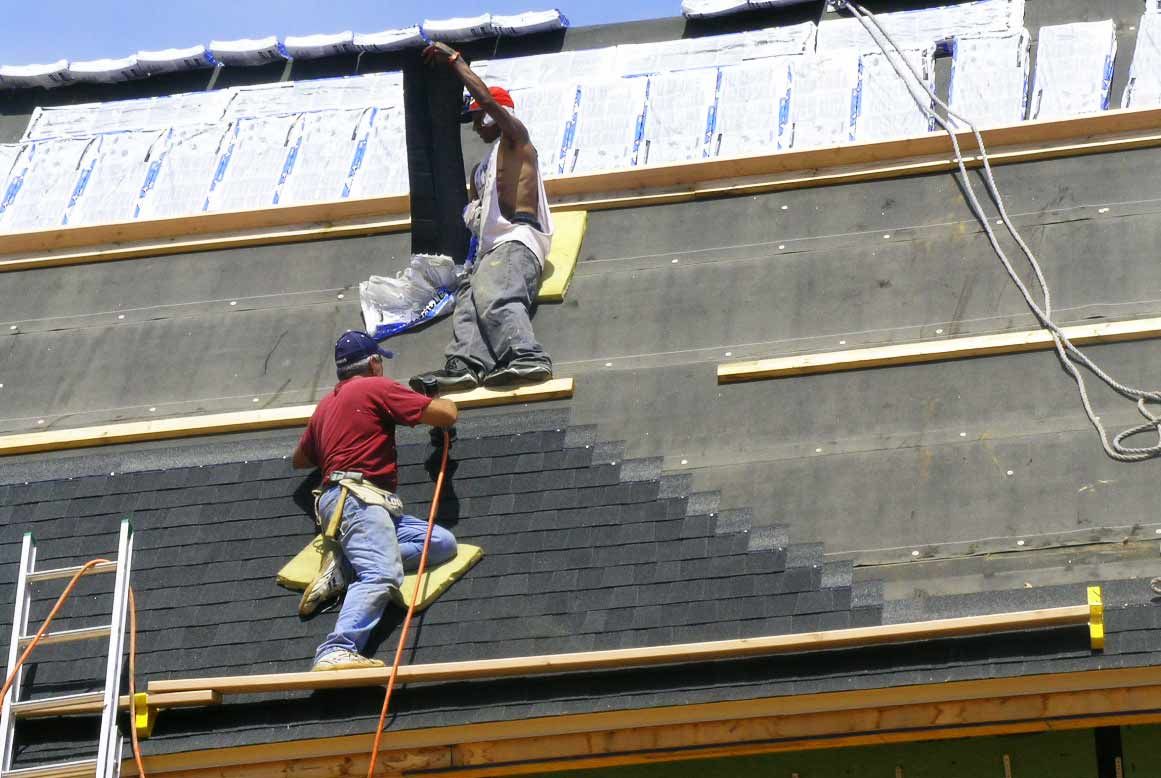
<point x="1106" y="131"/>
<point x="618" y="659"/>
<point x="291" y="416"/>
<point x="946" y="348"/>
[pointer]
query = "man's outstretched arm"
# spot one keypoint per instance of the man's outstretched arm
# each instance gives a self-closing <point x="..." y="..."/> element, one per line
<point x="511" y="128"/>
<point x="440" y="413"/>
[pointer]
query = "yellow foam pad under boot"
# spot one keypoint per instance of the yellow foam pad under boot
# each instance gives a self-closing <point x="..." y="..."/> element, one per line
<point x="568" y="232"/>
<point x="299" y="572"/>
<point x="437" y="580"/>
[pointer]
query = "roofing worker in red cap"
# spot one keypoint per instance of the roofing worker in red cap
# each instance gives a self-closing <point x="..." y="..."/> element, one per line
<point x="351" y="438"/>
<point x="492" y="341"/>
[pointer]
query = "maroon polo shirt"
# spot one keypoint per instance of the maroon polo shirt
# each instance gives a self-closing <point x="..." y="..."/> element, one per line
<point x="353" y="427"/>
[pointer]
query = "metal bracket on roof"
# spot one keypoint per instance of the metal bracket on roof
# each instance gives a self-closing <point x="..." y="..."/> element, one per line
<point x="1096" y="618"/>
<point x="146" y="715"/>
<point x="147" y="706"/>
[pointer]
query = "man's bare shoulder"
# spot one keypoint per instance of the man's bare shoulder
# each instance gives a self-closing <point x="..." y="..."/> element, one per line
<point x="520" y="138"/>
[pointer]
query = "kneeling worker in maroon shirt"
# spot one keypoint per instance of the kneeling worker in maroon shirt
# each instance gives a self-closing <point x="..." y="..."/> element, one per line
<point x="351" y="438"/>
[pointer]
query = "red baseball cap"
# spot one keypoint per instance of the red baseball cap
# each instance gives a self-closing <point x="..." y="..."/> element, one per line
<point x="499" y="94"/>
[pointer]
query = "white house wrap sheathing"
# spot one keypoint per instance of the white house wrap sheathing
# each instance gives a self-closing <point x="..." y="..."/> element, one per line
<point x="1144" y="87"/>
<point x="887" y="108"/>
<point x="989" y="78"/>
<point x="1074" y="69"/>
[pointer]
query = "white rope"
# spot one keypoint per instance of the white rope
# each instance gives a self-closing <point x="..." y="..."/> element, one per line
<point x="1070" y="355"/>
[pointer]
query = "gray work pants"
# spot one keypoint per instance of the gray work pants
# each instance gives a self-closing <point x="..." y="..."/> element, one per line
<point x="490" y="326"/>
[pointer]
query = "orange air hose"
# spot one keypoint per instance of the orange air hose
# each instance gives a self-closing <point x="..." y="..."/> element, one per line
<point x="410" y="608"/>
<point x="133" y="684"/>
<point x="64" y="595"/>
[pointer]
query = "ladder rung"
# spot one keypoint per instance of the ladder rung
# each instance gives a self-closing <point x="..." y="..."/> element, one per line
<point x="69" y="635"/>
<point x="81" y="767"/>
<point x="85" y="702"/>
<point x="69" y="572"/>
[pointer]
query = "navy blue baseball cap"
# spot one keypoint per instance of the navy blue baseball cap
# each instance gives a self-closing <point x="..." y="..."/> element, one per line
<point x="354" y="346"/>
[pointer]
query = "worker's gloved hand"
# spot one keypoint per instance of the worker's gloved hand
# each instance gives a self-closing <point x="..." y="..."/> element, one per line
<point x="437" y="437"/>
<point x="439" y="53"/>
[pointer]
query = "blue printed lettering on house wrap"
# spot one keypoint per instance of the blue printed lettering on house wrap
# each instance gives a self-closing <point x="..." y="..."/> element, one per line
<point x="1107" y="84"/>
<point x="287" y="168"/>
<point x="784" y="106"/>
<point x="711" y="119"/>
<point x="856" y="103"/>
<point x="223" y="164"/>
<point x="639" y="131"/>
<point x="569" y="132"/>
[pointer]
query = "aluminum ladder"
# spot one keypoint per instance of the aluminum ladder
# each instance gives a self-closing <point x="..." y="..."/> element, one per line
<point x="107" y="763"/>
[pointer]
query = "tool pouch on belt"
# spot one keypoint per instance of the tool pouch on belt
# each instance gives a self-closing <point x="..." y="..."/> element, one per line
<point x="364" y="491"/>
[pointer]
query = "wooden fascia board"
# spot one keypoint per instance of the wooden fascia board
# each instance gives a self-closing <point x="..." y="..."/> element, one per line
<point x="563" y="761"/>
<point x="934" y="350"/>
<point x="898" y="714"/>
<point x="1096" y="133"/>
<point x="243" y="421"/>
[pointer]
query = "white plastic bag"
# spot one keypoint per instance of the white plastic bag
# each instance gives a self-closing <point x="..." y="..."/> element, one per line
<point x="422" y="292"/>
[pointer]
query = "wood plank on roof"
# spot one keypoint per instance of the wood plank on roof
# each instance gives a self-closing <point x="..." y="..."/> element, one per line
<point x="638" y="657"/>
<point x="934" y="350"/>
<point x="245" y="421"/>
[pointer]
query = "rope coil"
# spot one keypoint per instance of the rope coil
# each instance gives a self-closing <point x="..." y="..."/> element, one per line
<point x="1069" y="354"/>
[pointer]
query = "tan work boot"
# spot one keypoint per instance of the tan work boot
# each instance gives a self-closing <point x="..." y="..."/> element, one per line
<point x="342" y="659"/>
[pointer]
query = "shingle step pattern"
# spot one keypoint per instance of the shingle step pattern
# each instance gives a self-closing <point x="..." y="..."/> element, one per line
<point x="584" y="551"/>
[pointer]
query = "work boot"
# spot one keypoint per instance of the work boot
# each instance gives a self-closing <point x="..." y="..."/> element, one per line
<point x="342" y="659"/>
<point x="455" y="377"/>
<point x="328" y="584"/>
<point x="511" y="376"/>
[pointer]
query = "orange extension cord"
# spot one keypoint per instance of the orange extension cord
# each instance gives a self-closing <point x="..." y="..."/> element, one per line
<point x="410" y="607"/>
<point x="132" y="652"/>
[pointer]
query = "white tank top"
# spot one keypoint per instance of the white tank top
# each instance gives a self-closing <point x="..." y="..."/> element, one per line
<point x="495" y="228"/>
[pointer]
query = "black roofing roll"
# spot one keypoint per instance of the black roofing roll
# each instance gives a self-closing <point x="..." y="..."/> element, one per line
<point x="433" y="101"/>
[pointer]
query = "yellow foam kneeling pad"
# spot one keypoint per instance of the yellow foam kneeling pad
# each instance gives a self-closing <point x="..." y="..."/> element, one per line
<point x="568" y="232"/>
<point x="300" y="571"/>
<point x="437" y="580"/>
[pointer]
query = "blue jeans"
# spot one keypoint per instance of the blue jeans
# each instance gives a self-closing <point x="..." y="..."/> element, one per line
<point x="376" y="552"/>
<point x="490" y="325"/>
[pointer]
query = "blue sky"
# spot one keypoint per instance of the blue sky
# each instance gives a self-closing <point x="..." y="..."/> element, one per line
<point x="36" y="32"/>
